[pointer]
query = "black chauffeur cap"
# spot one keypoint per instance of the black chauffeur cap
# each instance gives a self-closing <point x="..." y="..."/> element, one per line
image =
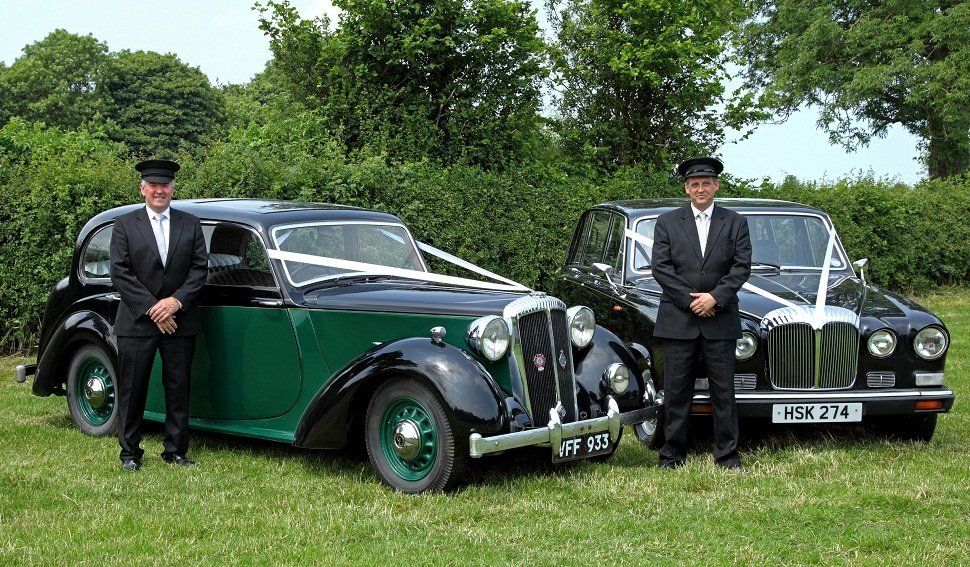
<point x="700" y="167"/>
<point x="157" y="170"/>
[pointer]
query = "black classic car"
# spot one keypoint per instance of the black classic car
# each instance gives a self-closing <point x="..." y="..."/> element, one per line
<point x="819" y="344"/>
<point x="323" y="326"/>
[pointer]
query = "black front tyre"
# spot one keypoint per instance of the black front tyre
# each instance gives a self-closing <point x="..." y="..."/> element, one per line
<point x="410" y="441"/>
<point x="92" y="391"/>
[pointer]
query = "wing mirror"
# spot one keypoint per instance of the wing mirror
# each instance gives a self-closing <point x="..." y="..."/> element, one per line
<point x="608" y="274"/>
<point x="859" y="266"/>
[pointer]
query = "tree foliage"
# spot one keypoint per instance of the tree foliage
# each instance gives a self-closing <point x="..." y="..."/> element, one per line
<point x="455" y="80"/>
<point x="53" y="81"/>
<point x="157" y="104"/>
<point x="642" y="80"/>
<point x="869" y="64"/>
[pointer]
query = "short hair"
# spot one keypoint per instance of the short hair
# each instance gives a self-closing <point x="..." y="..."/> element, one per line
<point x="143" y="183"/>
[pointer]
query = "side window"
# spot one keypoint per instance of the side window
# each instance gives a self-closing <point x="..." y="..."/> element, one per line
<point x="642" y="252"/>
<point x="96" y="259"/>
<point x="598" y="234"/>
<point x="236" y="257"/>
<point x="579" y="240"/>
<point x="614" y="246"/>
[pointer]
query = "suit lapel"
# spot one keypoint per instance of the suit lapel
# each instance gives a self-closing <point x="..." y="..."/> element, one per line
<point x="175" y="225"/>
<point x="690" y="230"/>
<point x="717" y="224"/>
<point x="144" y="225"/>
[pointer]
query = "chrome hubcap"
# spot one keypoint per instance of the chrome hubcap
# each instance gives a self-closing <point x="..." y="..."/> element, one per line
<point x="94" y="392"/>
<point x="407" y="439"/>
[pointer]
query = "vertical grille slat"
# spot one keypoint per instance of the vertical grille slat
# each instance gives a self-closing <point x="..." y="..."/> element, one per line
<point x="567" y="387"/>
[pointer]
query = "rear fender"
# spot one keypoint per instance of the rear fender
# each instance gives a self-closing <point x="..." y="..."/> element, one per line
<point x="472" y="399"/>
<point x="78" y="327"/>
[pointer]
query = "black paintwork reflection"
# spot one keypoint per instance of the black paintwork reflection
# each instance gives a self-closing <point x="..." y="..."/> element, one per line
<point x="403" y="296"/>
<point x="471" y="398"/>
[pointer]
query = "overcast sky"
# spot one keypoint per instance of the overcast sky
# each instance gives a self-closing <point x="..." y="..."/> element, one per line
<point x="222" y="38"/>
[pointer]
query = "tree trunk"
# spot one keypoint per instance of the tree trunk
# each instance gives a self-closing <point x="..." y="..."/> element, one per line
<point x="948" y="152"/>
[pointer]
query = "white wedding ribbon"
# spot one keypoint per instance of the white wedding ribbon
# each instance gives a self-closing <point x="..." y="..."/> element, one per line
<point x="463" y="264"/>
<point x="823" y="281"/>
<point x="376" y="269"/>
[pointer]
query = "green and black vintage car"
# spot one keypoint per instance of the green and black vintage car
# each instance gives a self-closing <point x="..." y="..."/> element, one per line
<point x="323" y="326"/>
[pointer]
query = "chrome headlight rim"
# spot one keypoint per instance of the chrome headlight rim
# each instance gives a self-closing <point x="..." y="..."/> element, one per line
<point x="753" y="341"/>
<point x="870" y="344"/>
<point x="922" y="334"/>
<point x="617" y="377"/>
<point x="481" y="337"/>
<point x="580" y="319"/>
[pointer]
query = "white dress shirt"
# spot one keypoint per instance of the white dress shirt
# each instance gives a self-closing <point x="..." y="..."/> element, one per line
<point x="703" y="221"/>
<point x="161" y="226"/>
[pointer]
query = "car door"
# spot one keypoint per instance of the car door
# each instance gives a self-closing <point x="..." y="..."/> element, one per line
<point x="599" y="240"/>
<point x="246" y="365"/>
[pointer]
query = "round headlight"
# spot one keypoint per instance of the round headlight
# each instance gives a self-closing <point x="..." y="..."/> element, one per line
<point x="582" y="324"/>
<point x="618" y="377"/>
<point x="930" y="343"/>
<point x="746" y="346"/>
<point x="489" y="337"/>
<point x="882" y="343"/>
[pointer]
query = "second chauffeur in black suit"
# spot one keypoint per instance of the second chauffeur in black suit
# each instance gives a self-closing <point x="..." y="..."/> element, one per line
<point x="701" y="258"/>
<point x="158" y="265"/>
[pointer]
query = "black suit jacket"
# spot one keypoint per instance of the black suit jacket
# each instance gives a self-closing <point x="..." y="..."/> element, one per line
<point x="137" y="272"/>
<point x="680" y="270"/>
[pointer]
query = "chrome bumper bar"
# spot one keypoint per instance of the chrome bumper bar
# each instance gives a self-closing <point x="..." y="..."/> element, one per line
<point x="841" y="395"/>
<point x="556" y="430"/>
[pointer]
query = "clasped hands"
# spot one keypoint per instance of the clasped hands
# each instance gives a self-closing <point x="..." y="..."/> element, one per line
<point x="162" y="313"/>
<point x="703" y="304"/>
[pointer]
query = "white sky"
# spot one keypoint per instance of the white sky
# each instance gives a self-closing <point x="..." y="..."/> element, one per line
<point x="222" y="38"/>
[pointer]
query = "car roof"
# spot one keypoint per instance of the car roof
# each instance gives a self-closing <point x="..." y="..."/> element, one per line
<point x="642" y="207"/>
<point x="261" y="213"/>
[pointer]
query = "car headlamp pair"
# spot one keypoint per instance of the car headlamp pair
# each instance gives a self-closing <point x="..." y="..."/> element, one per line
<point x="930" y="343"/>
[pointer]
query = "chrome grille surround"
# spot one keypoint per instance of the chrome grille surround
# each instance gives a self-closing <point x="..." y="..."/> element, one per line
<point x="810" y="348"/>
<point x="530" y="337"/>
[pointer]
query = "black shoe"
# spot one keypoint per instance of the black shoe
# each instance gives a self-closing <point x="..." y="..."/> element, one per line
<point x="180" y="460"/>
<point x="131" y="464"/>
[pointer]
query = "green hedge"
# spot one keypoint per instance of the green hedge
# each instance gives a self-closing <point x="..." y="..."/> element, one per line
<point x="517" y="223"/>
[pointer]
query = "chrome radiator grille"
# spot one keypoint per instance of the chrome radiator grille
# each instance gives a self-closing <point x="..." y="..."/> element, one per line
<point x="807" y="352"/>
<point x="543" y="354"/>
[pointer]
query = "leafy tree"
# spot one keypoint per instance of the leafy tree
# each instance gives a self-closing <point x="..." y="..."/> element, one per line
<point x="450" y="79"/>
<point x="869" y="64"/>
<point x="641" y="81"/>
<point x="158" y="105"/>
<point x="53" y="81"/>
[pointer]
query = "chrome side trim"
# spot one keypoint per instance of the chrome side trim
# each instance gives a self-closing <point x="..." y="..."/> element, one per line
<point x="556" y="430"/>
<point x="812" y="396"/>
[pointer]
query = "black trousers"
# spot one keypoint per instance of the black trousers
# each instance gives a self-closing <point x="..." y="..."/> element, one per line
<point x="135" y="358"/>
<point x="679" y="358"/>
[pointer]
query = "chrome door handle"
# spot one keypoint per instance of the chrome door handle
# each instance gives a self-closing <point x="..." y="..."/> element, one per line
<point x="268" y="302"/>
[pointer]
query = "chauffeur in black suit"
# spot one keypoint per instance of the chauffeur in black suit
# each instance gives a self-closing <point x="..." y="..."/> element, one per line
<point x="158" y="265"/>
<point x="701" y="258"/>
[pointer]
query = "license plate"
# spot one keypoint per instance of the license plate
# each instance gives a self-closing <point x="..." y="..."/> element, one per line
<point x="588" y="445"/>
<point x="816" y="413"/>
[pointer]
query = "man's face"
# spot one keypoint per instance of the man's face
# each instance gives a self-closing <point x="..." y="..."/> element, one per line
<point x="701" y="191"/>
<point x="157" y="195"/>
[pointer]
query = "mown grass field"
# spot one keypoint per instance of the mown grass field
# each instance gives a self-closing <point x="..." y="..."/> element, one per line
<point x="809" y="496"/>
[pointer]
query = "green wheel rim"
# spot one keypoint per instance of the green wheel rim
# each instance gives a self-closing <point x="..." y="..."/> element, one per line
<point x="94" y="391"/>
<point x="410" y="411"/>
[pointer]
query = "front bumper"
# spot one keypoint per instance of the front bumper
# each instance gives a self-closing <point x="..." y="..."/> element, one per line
<point x="556" y="431"/>
<point x="891" y="402"/>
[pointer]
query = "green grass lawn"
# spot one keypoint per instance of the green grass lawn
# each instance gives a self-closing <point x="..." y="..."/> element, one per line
<point x="809" y="495"/>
